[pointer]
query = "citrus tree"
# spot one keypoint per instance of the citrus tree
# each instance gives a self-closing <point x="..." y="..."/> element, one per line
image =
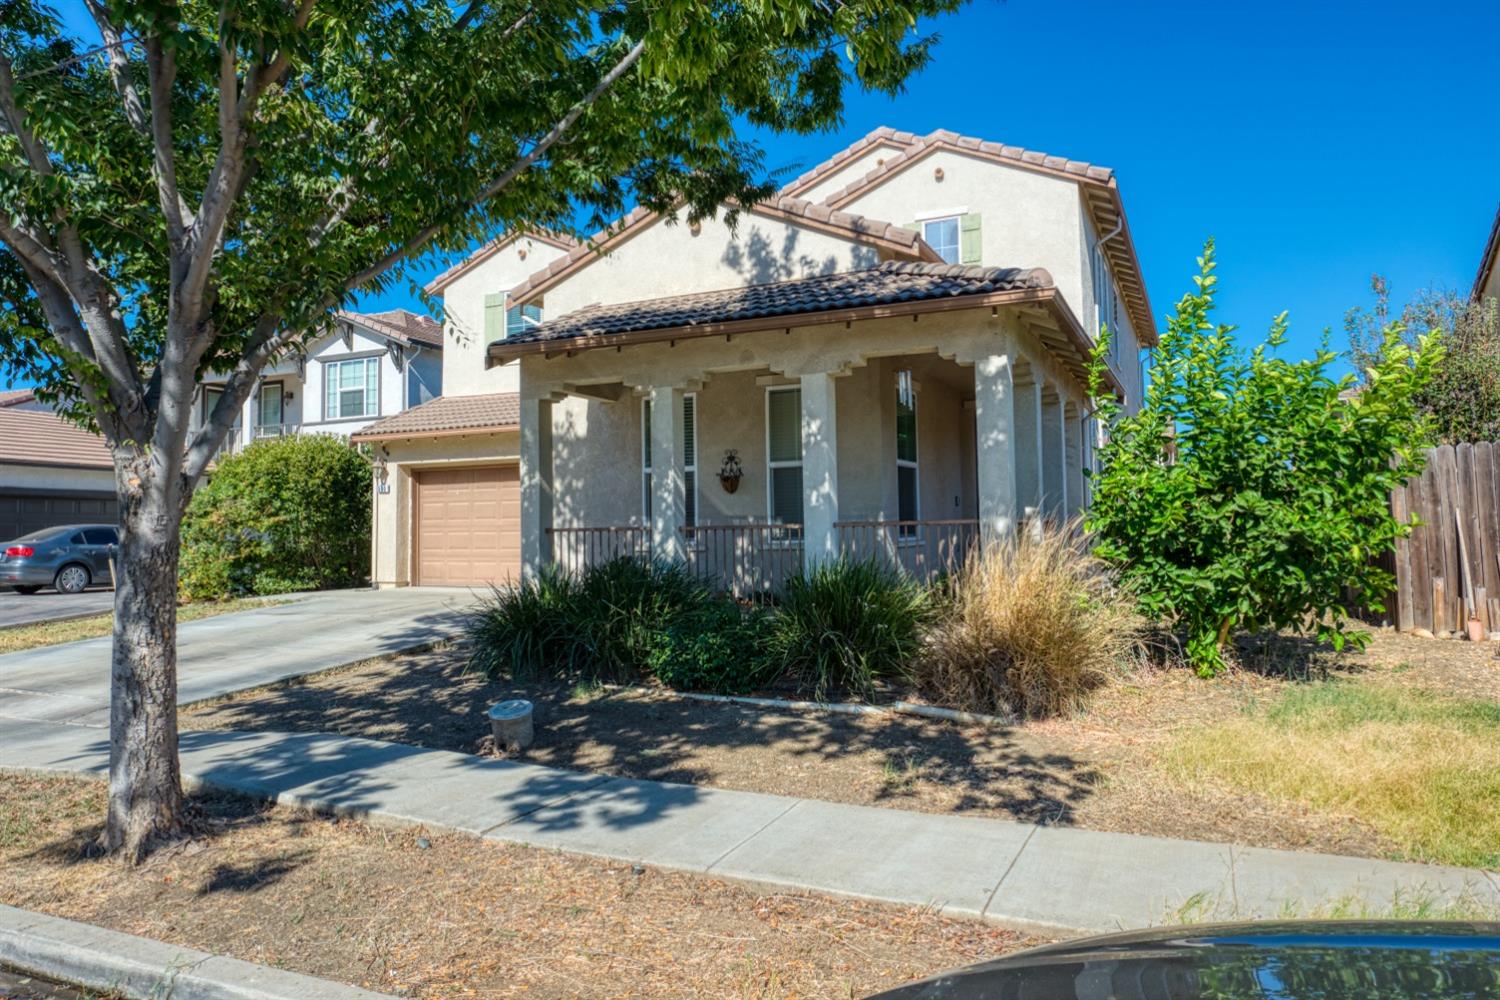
<point x="1252" y="491"/>
<point x="198" y="192"/>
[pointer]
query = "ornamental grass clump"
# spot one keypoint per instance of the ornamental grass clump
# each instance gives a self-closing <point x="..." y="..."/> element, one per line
<point x="1030" y="628"/>
<point x="847" y="625"/>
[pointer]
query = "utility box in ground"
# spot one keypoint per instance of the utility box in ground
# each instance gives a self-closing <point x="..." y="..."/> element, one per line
<point x="510" y="721"/>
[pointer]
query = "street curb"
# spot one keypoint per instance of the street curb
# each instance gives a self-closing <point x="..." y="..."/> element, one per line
<point x="97" y="958"/>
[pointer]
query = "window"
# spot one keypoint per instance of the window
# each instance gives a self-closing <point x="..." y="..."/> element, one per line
<point x="351" y="388"/>
<point x="689" y="459"/>
<point x="519" y="319"/>
<point x="268" y="410"/>
<point x="908" y="506"/>
<point x="784" y="455"/>
<point x="100" y="536"/>
<point x="1106" y="306"/>
<point x="942" y="236"/>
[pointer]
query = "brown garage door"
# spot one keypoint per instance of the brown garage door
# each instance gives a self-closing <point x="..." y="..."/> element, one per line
<point x="468" y="526"/>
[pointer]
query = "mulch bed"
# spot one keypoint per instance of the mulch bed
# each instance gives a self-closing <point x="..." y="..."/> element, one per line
<point x="428" y="915"/>
<point x="1095" y="769"/>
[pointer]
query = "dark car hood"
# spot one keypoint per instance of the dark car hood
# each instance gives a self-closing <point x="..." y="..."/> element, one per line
<point x="1298" y="960"/>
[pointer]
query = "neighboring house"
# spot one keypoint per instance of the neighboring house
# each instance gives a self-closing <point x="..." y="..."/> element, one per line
<point x="893" y="350"/>
<point x="51" y="471"/>
<point x="365" y="367"/>
<point x="1487" y="282"/>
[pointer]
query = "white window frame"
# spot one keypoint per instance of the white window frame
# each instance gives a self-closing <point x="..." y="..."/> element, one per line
<point x="958" y="235"/>
<point x="1106" y="302"/>
<point x="687" y="466"/>
<point x="912" y="535"/>
<point x="260" y="425"/>
<point x="783" y="463"/>
<point x="526" y="322"/>
<point x="329" y="367"/>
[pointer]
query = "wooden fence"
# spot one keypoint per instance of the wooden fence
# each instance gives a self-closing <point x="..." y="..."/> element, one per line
<point x="1450" y="565"/>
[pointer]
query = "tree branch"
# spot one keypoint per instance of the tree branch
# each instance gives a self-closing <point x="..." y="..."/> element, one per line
<point x="162" y="69"/>
<point x="15" y="117"/>
<point x="119" y="67"/>
<point x="515" y="170"/>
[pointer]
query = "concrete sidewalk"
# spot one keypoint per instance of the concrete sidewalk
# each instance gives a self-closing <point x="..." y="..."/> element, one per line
<point x="1049" y="879"/>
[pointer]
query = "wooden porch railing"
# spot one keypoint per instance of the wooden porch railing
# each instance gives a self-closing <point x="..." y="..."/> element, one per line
<point x="747" y="560"/>
<point x="576" y="549"/>
<point x="920" y="549"/>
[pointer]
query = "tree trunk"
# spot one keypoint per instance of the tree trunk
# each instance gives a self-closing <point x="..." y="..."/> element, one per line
<point x="145" y="785"/>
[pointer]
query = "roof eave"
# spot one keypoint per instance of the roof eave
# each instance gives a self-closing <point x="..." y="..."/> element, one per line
<point x="423" y="435"/>
<point x="487" y="251"/>
<point x="1487" y="261"/>
<point x="502" y="351"/>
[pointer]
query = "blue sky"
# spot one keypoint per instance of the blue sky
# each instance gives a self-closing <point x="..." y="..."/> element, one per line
<point x="1317" y="142"/>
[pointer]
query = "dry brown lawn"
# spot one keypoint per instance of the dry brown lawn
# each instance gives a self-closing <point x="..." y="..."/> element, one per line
<point x="18" y="637"/>
<point x="428" y="915"/>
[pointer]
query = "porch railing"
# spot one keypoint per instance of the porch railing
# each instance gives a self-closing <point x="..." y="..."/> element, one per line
<point x="576" y="549"/>
<point x="747" y="560"/>
<point x="920" y="549"/>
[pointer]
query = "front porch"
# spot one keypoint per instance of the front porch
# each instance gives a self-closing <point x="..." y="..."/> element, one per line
<point x="912" y="440"/>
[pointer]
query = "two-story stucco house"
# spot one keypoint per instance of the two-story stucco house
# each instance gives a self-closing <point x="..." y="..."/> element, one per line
<point x="1487" y="281"/>
<point x="365" y="366"/>
<point x="886" y="360"/>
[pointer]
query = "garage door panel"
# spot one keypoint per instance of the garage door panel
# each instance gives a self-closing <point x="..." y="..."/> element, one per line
<point x="467" y="526"/>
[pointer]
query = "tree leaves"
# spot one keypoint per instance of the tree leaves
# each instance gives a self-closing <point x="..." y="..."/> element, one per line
<point x="1251" y="491"/>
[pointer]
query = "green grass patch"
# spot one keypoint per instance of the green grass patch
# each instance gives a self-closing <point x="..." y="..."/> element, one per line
<point x="1422" y="769"/>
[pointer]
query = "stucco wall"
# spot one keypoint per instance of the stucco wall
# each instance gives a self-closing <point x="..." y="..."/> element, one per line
<point x="851" y="171"/>
<point x="464" y="345"/>
<point x="390" y="550"/>
<point x="667" y="259"/>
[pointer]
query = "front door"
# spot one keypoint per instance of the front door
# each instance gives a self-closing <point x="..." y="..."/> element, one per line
<point x="268" y="408"/>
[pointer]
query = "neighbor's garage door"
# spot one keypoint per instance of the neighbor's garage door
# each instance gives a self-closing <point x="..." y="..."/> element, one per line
<point x="468" y="525"/>
<point x="25" y="511"/>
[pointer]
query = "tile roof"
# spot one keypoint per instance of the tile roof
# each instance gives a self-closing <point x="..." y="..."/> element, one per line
<point x="1487" y="259"/>
<point x="15" y="397"/>
<point x="796" y="210"/>
<point x="890" y="282"/>
<point x="882" y="136"/>
<point x="400" y="325"/>
<point x="448" y="415"/>
<point x="560" y="240"/>
<point x="41" y="437"/>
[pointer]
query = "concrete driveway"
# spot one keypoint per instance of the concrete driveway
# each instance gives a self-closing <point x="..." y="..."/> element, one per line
<point x="49" y="605"/>
<point x="69" y="683"/>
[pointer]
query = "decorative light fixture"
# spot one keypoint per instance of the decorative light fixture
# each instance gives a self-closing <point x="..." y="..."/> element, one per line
<point x="937" y="174"/>
<point x="731" y="472"/>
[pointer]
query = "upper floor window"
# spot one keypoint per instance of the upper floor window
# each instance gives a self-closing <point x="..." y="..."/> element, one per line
<point x="942" y="236"/>
<point x="1106" y="303"/>
<point x="519" y="319"/>
<point x="351" y="388"/>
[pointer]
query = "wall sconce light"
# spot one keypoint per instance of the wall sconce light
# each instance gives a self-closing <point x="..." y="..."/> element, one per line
<point x="731" y="472"/>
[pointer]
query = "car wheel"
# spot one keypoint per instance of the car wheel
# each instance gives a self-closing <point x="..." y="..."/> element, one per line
<point x="71" y="579"/>
<point x="28" y="588"/>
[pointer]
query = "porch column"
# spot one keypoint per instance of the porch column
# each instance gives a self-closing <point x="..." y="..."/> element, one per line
<point x="995" y="439"/>
<point x="1053" y="438"/>
<point x="1074" y="453"/>
<point x="1029" y="445"/>
<point x="536" y="485"/>
<point x="820" y="470"/>
<point x="668" y="477"/>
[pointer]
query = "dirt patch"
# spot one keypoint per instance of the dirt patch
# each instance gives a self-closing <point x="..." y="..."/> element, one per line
<point x="1096" y="769"/>
<point x="427" y="915"/>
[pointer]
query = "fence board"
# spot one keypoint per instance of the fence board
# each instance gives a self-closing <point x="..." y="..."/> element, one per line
<point x="1460" y="485"/>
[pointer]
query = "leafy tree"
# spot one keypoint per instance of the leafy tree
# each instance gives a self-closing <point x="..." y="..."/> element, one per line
<point x="1463" y="398"/>
<point x="285" y="514"/>
<point x="201" y="191"/>
<point x="1251" y="491"/>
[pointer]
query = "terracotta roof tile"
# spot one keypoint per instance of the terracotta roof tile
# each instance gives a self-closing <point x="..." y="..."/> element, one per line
<point x="15" y="397"/>
<point x="40" y="437"/>
<point x="560" y="240"/>
<point x="884" y="135"/>
<point x="445" y="414"/>
<point x="889" y="282"/>
<point x="400" y="325"/>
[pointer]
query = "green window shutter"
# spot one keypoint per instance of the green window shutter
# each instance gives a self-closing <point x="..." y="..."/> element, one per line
<point x="494" y="317"/>
<point x="969" y="247"/>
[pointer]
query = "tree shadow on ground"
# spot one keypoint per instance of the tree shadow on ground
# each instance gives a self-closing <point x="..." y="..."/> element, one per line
<point x="429" y="700"/>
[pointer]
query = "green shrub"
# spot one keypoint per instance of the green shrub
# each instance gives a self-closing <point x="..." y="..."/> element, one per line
<point x="285" y="514"/>
<point x="1030" y="627"/>
<point x="1251" y="491"/>
<point x="602" y="624"/>
<point x="720" y="648"/>
<point x="848" y="624"/>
